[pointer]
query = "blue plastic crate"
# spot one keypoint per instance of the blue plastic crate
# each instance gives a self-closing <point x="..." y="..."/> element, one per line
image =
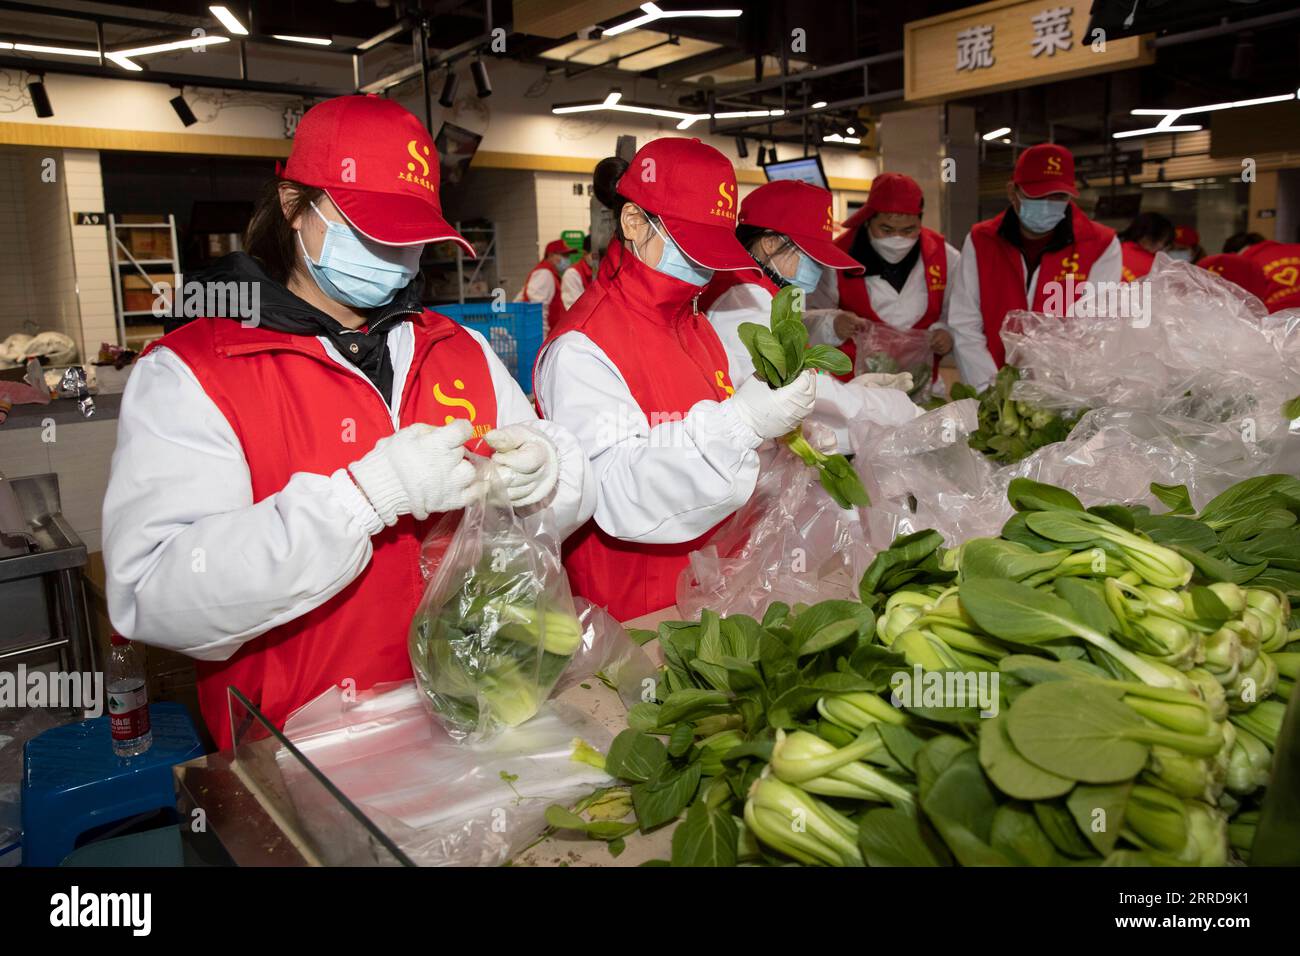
<point x="515" y="333"/>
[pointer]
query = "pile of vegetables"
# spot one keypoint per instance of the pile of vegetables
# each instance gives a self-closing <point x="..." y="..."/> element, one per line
<point x="780" y="354"/>
<point x="487" y="656"/>
<point x="1093" y="686"/>
<point x="1008" y="429"/>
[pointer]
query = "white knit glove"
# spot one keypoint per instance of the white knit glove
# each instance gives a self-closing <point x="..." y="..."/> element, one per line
<point x="420" y="470"/>
<point x="527" y="461"/>
<point x="899" y="380"/>
<point x="773" y="412"/>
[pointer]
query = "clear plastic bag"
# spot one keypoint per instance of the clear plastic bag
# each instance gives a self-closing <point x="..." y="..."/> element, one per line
<point x="883" y="348"/>
<point x="608" y="654"/>
<point x="442" y="801"/>
<point x="496" y="626"/>
<point x="790" y="542"/>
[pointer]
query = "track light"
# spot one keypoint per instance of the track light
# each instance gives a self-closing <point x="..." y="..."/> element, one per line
<point x="996" y="133"/>
<point x="741" y="149"/>
<point x="40" y="98"/>
<point x="478" y="70"/>
<point x="447" y="99"/>
<point x="183" y="110"/>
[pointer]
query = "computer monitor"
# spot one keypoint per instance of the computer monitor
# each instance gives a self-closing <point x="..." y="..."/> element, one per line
<point x="807" y="169"/>
<point x="456" y="147"/>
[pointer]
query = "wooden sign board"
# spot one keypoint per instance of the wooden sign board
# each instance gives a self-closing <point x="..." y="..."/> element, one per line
<point x="1009" y="43"/>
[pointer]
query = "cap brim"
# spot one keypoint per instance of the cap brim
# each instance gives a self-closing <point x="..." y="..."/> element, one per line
<point x="394" y="220"/>
<point x="713" y="247"/>
<point x="827" y="253"/>
<point x="1039" y="190"/>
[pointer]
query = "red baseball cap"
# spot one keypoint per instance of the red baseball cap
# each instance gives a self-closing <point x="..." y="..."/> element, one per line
<point x="557" y="246"/>
<point x="378" y="165"/>
<point x="1044" y="169"/>
<point x="1244" y="271"/>
<point x="890" y="192"/>
<point x="803" y="212"/>
<point x="691" y="187"/>
<point x="1186" y="236"/>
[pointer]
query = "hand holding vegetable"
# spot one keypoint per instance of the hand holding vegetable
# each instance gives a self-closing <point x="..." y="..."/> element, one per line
<point x="781" y="356"/>
<point x="773" y="412"/>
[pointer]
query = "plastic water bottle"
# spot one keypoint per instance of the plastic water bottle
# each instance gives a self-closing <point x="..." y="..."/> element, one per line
<point x="128" y="699"/>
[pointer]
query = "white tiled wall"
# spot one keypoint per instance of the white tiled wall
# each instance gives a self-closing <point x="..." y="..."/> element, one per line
<point x="85" y="191"/>
<point x="507" y="197"/>
<point x="559" y="207"/>
<point x="17" y="309"/>
<point x="49" y="240"/>
<point x="80" y="454"/>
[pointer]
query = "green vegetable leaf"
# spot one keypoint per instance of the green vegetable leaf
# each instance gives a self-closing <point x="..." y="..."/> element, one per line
<point x="996" y="558"/>
<point x="1026" y="494"/>
<point x="1012" y="773"/>
<point x="1017" y="833"/>
<point x="707" y="837"/>
<point x="635" y="756"/>
<point x="890" y="837"/>
<point x="564" y="819"/>
<point x="691" y="703"/>
<point x="1060" y="828"/>
<point x="1175" y="497"/>
<point x="1077" y="730"/>
<point x="666" y="795"/>
<point x="1098" y="812"/>
<point x="680" y="740"/>
<point x="828" y="358"/>
<point x="961" y="806"/>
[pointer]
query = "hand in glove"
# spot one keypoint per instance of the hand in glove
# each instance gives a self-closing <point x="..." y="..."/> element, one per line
<point x="420" y="470"/>
<point x="900" y="380"/>
<point x="773" y="412"/>
<point x="528" y="462"/>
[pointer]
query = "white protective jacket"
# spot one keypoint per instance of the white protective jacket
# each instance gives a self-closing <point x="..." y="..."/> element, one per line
<point x="180" y="486"/>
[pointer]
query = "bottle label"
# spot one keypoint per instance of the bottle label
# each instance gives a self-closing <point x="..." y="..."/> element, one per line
<point x="128" y="713"/>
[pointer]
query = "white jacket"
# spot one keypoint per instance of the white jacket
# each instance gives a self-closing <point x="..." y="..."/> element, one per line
<point x="838" y="404"/>
<point x="977" y="368"/>
<point x="571" y="286"/>
<point x="184" y="543"/>
<point x="903" y="308"/>
<point x="660" y="484"/>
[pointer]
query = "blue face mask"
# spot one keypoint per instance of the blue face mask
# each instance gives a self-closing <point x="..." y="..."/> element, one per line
<point x="1041" y="215"/>
<point x="1182" y="255"/>
<point x="563" y="266"/>
<point x="808" y="276"/>
<point x="673" y="262"/>
<point x="358" y="272"/>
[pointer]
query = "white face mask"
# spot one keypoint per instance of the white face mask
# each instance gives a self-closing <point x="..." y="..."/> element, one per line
<point x="893" y="248"/>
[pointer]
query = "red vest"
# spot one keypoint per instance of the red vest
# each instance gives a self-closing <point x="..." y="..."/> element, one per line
<point x="584" y="270"/>
<point x="295" y="409"/>
<point x="1281" y="264"/>
<point x="670" y="358"/>
<point x="1137" y="261"/>
<point x="723" y="282"/>
<point x="1002" y="271"/>
<point x="554" y="311"/>
<point x="855" y="298"/>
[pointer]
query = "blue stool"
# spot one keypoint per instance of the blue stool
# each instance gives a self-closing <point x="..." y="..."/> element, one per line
<point x="73" y="782"/>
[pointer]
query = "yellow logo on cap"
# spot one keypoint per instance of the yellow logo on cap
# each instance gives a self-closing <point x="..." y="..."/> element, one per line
<point x="726" y="206"/>
<point x="828" y="225"/>
<point x="1053" y="164"/>
<point x="410" y="175"/>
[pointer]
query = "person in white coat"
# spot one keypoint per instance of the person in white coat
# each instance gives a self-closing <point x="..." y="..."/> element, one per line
<point x="274" y="477"/>
<point x="1028" y="256"/>
<point x="578" y="276"/>
<point x="785" y="226"/>
<point x="905" y="280"/>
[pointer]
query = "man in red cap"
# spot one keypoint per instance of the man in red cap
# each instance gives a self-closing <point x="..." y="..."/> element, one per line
<point x="1023" y="257"/>
<point x="906" y="279"/>
<point x="543" y="283"/>
<point x="1280" y="265"/>
<point x="1186" y="245"/>
<point x="1239" y="269"/>
<point x="275" y="477"/>
<point x="786" y="226"/>
<point x="638" y="373"/>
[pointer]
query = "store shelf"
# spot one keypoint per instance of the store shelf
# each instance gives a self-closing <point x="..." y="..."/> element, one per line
<point x="147" y="262"/>
<point x="142" y="225"/>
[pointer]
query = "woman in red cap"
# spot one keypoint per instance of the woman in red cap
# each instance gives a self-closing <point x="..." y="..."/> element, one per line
<point x="785" y="226"/>
<point x="543" y="283"/>
<point x="905" y="282"/>
<point x="273" y="476"/>
<point x="638" y="374"/>
<point x="1186" y="245"/>
<point x="1024" y="256"/>
<point x="1278" y="262"/>
<point x="1147" y="234"/>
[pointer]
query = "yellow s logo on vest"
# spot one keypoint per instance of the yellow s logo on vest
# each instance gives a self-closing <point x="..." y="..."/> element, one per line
<point x="720" y="377"/>
<point x="424" y="164"/>
<point x="453" y="401"/>
<point x="936" y="278"/>
<point x="1070" y="266"/>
